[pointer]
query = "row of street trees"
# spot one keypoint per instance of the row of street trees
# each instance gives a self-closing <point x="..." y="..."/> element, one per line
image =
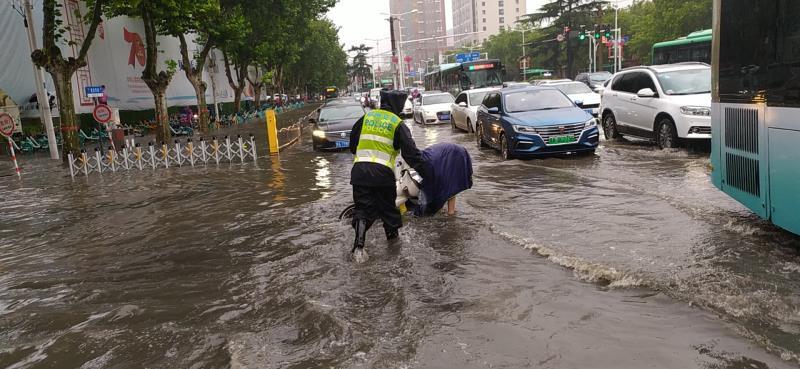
<point x="645" y="22"/>
<point x="285" y="44"/>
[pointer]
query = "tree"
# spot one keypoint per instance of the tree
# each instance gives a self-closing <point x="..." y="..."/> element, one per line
<point x="559" y="15"/>
<point x="359" y="69"/>
<point x="506" y="46"/>
<point x="649" y="22"/>
<point x="212" y="29"/>
<point x="162" y="18"/>
<point x="322" y="61"/>
<point x="61" y="69"/>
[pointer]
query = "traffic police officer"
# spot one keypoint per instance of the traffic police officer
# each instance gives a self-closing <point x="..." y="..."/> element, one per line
<point x="376" y="140"/>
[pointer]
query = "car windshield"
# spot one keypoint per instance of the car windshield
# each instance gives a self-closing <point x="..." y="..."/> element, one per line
<point x="437" y="99"/>
<point x="477" y="98"/>
<point x="536" y="100"/>
<point x="340" y="113"/>
<point x="574" y="88"/>
<point x="686" y="82"/>
<point x="600" y="77"/>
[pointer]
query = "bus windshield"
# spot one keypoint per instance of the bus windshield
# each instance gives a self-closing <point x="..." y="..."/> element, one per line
<point x="686" y="82"/>
<point x="481" y="79"/>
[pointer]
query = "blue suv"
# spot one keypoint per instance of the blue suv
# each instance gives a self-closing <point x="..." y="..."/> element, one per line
<point x="535" y="121"/>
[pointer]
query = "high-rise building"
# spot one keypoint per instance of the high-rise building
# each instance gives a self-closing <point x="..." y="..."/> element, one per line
<point x="427" y="24"/>
<point x="486" y="17"/>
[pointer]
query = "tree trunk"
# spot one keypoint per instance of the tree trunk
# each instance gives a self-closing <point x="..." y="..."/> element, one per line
<point x="237" y="99"/>
<point x="257" y="94"/>
<point x="157" y="82"/>
<point x="163" y="132"/>
<point x="202" y="108"/>
<point x="66" y="109"/>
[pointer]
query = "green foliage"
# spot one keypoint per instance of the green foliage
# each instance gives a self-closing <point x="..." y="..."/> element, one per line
<point x="649" y="22"/>
<point x="322" y="61"/>
<point x="507" y="46"/>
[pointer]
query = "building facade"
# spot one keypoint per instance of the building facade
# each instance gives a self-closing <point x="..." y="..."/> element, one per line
<point x="422" y="32"/>
<point x="486" y="17"/>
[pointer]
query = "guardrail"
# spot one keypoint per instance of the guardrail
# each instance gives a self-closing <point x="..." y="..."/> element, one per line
<point x="152" y="157"/>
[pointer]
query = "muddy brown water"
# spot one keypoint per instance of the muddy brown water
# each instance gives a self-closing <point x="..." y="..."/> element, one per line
<point x="625" y="259"/>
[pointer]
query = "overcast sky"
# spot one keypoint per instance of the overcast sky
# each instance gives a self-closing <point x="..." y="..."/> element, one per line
<point x="361" y="20"/>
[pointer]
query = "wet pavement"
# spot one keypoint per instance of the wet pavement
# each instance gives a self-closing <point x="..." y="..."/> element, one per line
<point x="626" y="259"/>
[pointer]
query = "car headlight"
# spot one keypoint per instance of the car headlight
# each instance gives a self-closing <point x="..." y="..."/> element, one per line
<point x="524" y="129"/>
<point x="590" y="123"/>
<point x="696" y="110"/>
<point x="318" y="133"/>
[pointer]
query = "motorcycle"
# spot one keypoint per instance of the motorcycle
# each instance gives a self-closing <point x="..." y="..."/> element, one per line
<point x="408" y="183"/>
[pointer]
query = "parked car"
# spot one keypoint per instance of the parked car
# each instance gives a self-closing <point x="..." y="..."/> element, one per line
<point x="333" y="125"/>
<point x="581" y="95"/>
<point x="408" y="108"/>
<point x="465" y="108"/>
<point x="665" y="103"/>
<point x="433" y="108"/>
<point x="594" y="80"/>
<point x="545" y="82"/>
<point x="535" y="121"/>
<point x="515" y="84"/>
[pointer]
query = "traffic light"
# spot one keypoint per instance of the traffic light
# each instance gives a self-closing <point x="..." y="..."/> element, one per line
<point x="608" y="31"/>
<point x="582" y="36"/>
<point x="597" y="32"/>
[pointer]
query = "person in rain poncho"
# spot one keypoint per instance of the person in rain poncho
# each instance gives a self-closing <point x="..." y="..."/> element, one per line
<point x="448" y="169"/>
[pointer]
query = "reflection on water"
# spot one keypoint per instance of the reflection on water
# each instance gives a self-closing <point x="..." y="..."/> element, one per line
<point x="323" y="176"/>
<point x="277" y="181"/>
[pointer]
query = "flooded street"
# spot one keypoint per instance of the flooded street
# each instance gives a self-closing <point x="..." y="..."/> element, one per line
<point x="626" y="259"/>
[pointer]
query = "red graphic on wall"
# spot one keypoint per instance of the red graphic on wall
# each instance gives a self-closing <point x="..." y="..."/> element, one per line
<point x="137" y="48"/>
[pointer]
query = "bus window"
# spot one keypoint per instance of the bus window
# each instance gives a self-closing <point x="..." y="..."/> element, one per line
<point x="745" y="50"/>
<point x="784" y="67"/>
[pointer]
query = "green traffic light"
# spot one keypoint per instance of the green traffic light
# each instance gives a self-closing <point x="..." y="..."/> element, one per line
<point x="596" y="35"/>
<point x="582" y="37"/>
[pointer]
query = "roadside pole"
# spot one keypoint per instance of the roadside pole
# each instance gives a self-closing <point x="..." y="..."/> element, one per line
<point x="272" y="132"/>
<point x="41" y="95"/>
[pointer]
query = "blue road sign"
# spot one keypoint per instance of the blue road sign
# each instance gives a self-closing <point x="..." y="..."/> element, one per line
<point x="626" y="38"/>
<point x="94" y="91"/>
<point x="462" y="58"/>
<point x="412" y="73"/>
<point x="475" y="55"/>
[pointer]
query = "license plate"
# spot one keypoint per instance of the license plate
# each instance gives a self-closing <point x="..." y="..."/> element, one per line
<point x="444" y="117"/>
<point x="342" y="144"/>
<point x="557" y="140"/>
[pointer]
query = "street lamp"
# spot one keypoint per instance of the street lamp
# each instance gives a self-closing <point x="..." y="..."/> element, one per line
<point x="392" y="17"/>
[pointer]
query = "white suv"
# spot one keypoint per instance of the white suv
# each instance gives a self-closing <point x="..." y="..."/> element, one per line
<point x="666" y="103"/>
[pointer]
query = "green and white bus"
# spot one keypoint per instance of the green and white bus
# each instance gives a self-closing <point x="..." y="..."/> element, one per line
<point x="696" y="47"/>
<point x="755" y="107"/>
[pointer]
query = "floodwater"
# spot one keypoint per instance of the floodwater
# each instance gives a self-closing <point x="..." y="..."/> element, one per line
<point x="626" y="259"/>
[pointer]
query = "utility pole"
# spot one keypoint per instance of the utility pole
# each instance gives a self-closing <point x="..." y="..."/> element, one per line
<point x="394" y="49"/>
<point x="41" y="95"/>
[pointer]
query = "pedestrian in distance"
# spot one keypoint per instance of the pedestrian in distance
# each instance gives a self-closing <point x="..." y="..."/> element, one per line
<point x="376" y="140"/>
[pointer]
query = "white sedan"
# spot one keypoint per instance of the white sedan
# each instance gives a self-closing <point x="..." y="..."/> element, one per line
<point x="465" y="108"/>
<point x="579" y="92"/>
<point x="433" y="108"/>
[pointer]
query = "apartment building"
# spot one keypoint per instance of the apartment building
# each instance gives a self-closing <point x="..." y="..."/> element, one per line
<point x="419" y="30"/>
<point x="486" y="17"/>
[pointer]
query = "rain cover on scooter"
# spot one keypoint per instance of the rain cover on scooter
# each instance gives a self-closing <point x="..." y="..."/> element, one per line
<point x="449" y="172"/>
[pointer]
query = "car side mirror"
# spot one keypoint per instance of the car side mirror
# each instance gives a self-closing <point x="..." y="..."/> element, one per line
<point x="579" y="103"/>
<point x="646" y="93"/>
<point x="462" y="105"/>
<point x="493" y="110"/>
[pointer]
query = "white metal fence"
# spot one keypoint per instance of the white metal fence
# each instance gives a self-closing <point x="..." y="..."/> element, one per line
<point x="136" y="157"/>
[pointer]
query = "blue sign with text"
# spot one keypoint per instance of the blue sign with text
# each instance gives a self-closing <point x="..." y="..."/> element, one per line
<point x="475" y="55"/>
<point x="94" y="91"/>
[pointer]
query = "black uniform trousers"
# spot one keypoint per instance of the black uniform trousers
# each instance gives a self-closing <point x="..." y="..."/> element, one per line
<point x="378" y="202"/>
